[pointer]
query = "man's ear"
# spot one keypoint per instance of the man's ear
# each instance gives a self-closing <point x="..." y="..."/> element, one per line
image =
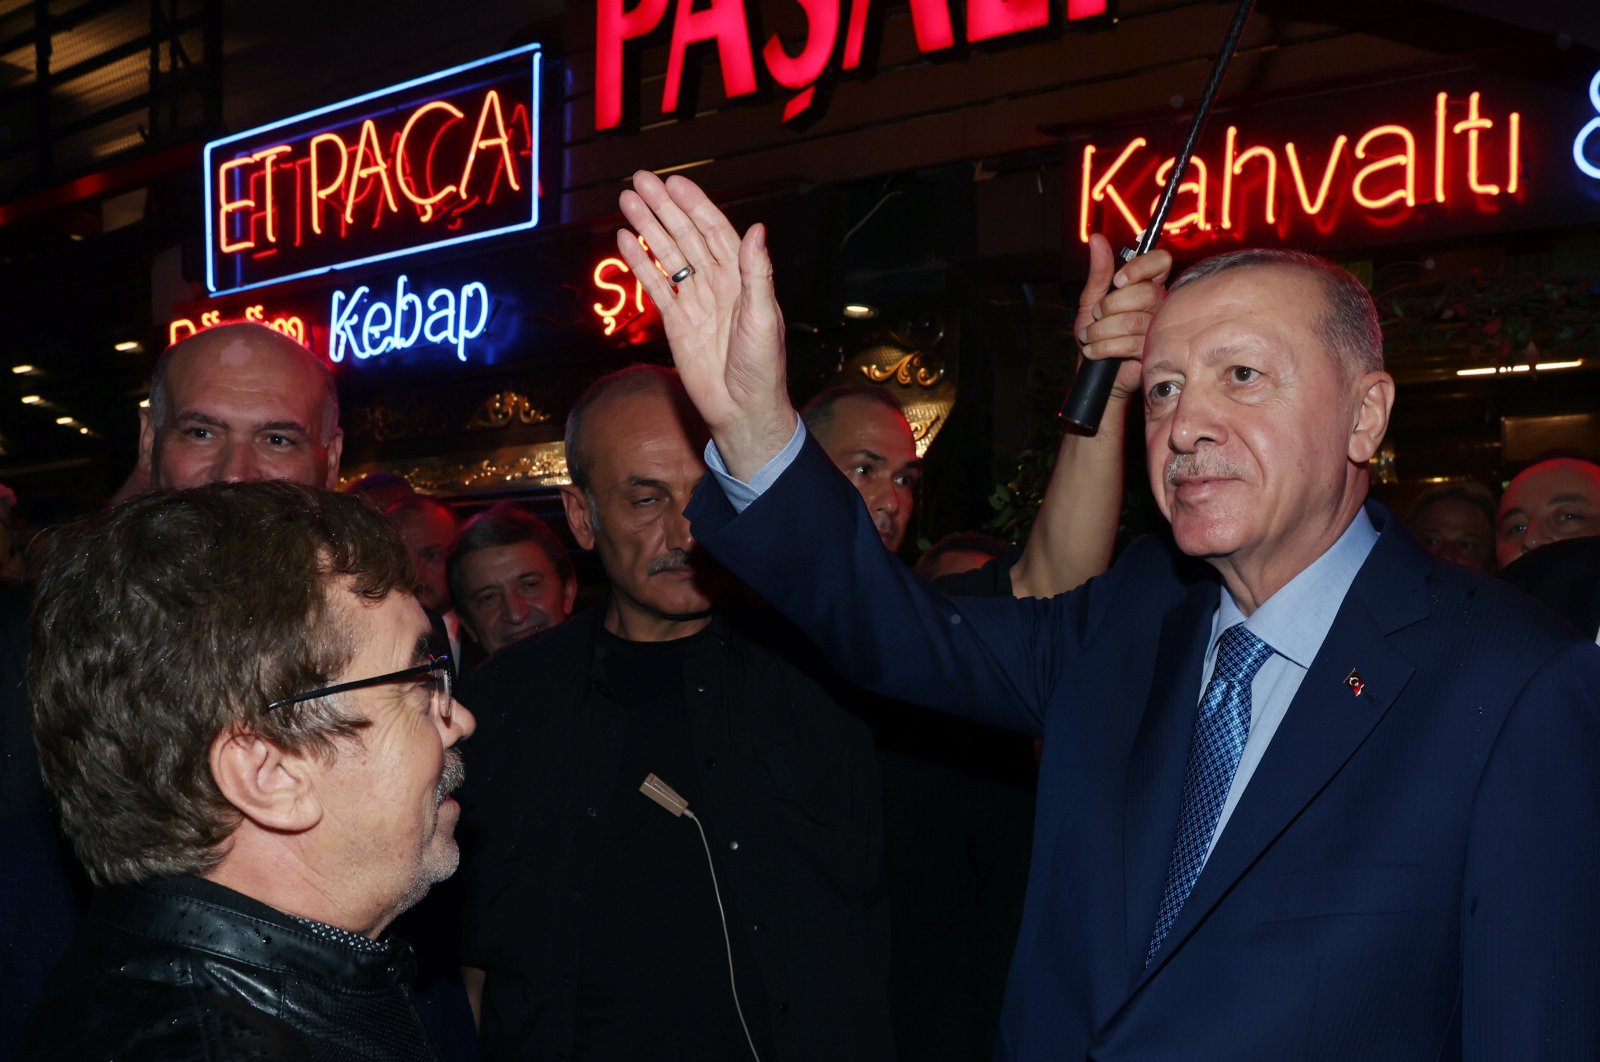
<point x="269" y="786"/>
<point x="147" y="441"/>
<point x="1375" y="397"/>
<point x="335" y="451"/>
<point x="569" y="594"/>
<point x="579" y="518"/>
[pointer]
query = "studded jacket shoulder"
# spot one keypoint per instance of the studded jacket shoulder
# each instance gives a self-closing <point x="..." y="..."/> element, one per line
<point x="182" y="968"/>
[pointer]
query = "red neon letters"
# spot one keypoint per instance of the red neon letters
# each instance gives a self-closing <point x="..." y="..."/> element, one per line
<point x="428" y="162"/>
<point x="290" y="325"/>
<point x="1378" y="171"/>
<point x="624" y="303"/>
<point x="725" y="23"/>
<point x="606" y="276"/>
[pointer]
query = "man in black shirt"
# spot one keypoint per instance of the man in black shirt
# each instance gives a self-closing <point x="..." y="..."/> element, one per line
<point x="594" y="928"/>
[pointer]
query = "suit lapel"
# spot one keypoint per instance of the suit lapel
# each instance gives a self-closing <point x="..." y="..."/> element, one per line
<point x="1326" y="722"/>
<point x="1153" y="790"/>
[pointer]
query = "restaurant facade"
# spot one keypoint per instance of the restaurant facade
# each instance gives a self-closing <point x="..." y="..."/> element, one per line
<point x="930" y="173"/>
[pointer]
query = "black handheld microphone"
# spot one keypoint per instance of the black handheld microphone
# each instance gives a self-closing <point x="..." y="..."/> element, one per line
<point x="1091" y="388"/>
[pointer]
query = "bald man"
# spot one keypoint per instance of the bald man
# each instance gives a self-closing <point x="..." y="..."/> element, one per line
<point x="1551" y="500"/>
<point x="1548" y="538"/>
<point x="240" y="402"/>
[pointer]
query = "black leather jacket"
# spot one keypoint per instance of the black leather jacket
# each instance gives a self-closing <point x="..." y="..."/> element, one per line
<point x="182" y="968"/>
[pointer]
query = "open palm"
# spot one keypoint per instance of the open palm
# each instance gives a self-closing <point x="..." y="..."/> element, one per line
<point x="722" y="320"/>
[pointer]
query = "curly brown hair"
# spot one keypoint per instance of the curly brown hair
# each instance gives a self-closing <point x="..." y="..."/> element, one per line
<point x="179" y="615"/>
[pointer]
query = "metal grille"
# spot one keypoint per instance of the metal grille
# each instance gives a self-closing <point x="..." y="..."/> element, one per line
<point x="87" y="83"/>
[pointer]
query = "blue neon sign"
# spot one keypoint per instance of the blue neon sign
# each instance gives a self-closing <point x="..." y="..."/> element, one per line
<point x="363" y="324"/>
<point x="434" y="162"/>
<point x="1580" y="154"/>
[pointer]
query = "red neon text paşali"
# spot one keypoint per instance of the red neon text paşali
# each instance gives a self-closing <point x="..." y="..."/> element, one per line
<point x="725" y="25"/>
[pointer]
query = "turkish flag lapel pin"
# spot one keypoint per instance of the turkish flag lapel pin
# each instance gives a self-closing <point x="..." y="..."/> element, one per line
<point x="1353" y="680"/>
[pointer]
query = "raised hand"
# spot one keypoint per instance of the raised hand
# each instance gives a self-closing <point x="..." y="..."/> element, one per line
<point x="722" y="319"/>
<point x="1116" y="307"/>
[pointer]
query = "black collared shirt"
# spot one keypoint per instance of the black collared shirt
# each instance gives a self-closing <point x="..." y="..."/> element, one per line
<point x="564" y="863"/>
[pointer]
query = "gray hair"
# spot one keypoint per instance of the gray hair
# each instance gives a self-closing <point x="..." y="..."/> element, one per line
<point x="819" y="412"/>
<point x="1348" y="325"/>
<point x="635" y="379"/>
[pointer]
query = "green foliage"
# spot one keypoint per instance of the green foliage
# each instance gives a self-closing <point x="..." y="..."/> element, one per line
<point x="1016" y="500"/>
<point x="1494" y="320"/>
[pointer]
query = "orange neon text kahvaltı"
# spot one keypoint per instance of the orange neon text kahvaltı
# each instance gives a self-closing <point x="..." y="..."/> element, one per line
<point x="1377" y="171"/>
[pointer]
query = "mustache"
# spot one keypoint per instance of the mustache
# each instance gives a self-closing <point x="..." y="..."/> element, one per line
<point x="1201" y="466"/>
<point x="671" y="561"/>
<point x="535" y="622"/>
<point x="455" y="772"/>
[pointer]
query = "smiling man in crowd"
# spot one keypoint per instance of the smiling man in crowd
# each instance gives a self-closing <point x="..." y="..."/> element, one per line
<point x="1549" y="538"/>
<point x="510" y="577"/>
<point x="1306" y="791"/>
<point x="237" y="403"/>
<point x="1548" y="502"/>
<point x="252" y="750"/>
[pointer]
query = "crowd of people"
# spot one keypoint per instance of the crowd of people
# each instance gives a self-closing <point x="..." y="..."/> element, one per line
<point x="1275" y="784"/>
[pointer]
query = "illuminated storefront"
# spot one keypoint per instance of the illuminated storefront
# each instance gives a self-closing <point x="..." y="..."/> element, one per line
<point x="447" y="243"/>
<point x="398" y="236"/>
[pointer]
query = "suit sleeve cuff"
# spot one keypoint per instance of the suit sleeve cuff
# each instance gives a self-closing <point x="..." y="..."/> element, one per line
<point x="740" y="494"/>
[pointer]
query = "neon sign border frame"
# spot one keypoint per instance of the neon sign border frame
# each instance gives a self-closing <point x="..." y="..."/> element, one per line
<point x="535" y="50"/>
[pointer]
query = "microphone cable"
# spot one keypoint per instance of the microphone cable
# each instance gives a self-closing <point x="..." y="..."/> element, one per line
<point x="668" y="798"/>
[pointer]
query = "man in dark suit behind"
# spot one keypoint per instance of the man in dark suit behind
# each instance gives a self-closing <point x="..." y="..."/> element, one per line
<point x="1306" y="792"/>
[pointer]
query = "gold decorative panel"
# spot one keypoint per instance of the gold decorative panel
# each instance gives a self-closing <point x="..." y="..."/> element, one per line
<point x="508" y="468"/>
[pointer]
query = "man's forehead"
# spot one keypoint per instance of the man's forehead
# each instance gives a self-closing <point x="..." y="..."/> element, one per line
<point x="394" y="624"/>
<point x="860" y="412"/>
<point x="1552" y="482"/>
<point x="1272" y="290"/>
<point x="242" y="363"/>
<point x="860" y="425"/>
<point x="517" y="558"/>
<point x="423" y="522"/>
<point x="620" y="423"/>
<point x="1445" y="508"/>
<point x="1234" y="312"/>
<point x="654" y="447"/>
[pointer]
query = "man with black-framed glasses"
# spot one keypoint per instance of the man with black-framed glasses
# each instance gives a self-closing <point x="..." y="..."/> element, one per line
<point x="238" y="402"/>
<point x="237" y="708"/>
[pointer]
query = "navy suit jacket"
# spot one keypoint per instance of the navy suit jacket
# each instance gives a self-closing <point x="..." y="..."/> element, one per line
<point x="1412" y="873"/>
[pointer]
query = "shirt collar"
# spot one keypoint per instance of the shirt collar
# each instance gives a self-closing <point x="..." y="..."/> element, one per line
<point x="1296" y="619"/>
<point x="595" y="618"/>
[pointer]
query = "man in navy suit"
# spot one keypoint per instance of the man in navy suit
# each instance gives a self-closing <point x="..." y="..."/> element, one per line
<point x="1306" y="792"/>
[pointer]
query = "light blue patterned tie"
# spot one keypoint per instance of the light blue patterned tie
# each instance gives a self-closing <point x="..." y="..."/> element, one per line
<point x="1220" y="731"/>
